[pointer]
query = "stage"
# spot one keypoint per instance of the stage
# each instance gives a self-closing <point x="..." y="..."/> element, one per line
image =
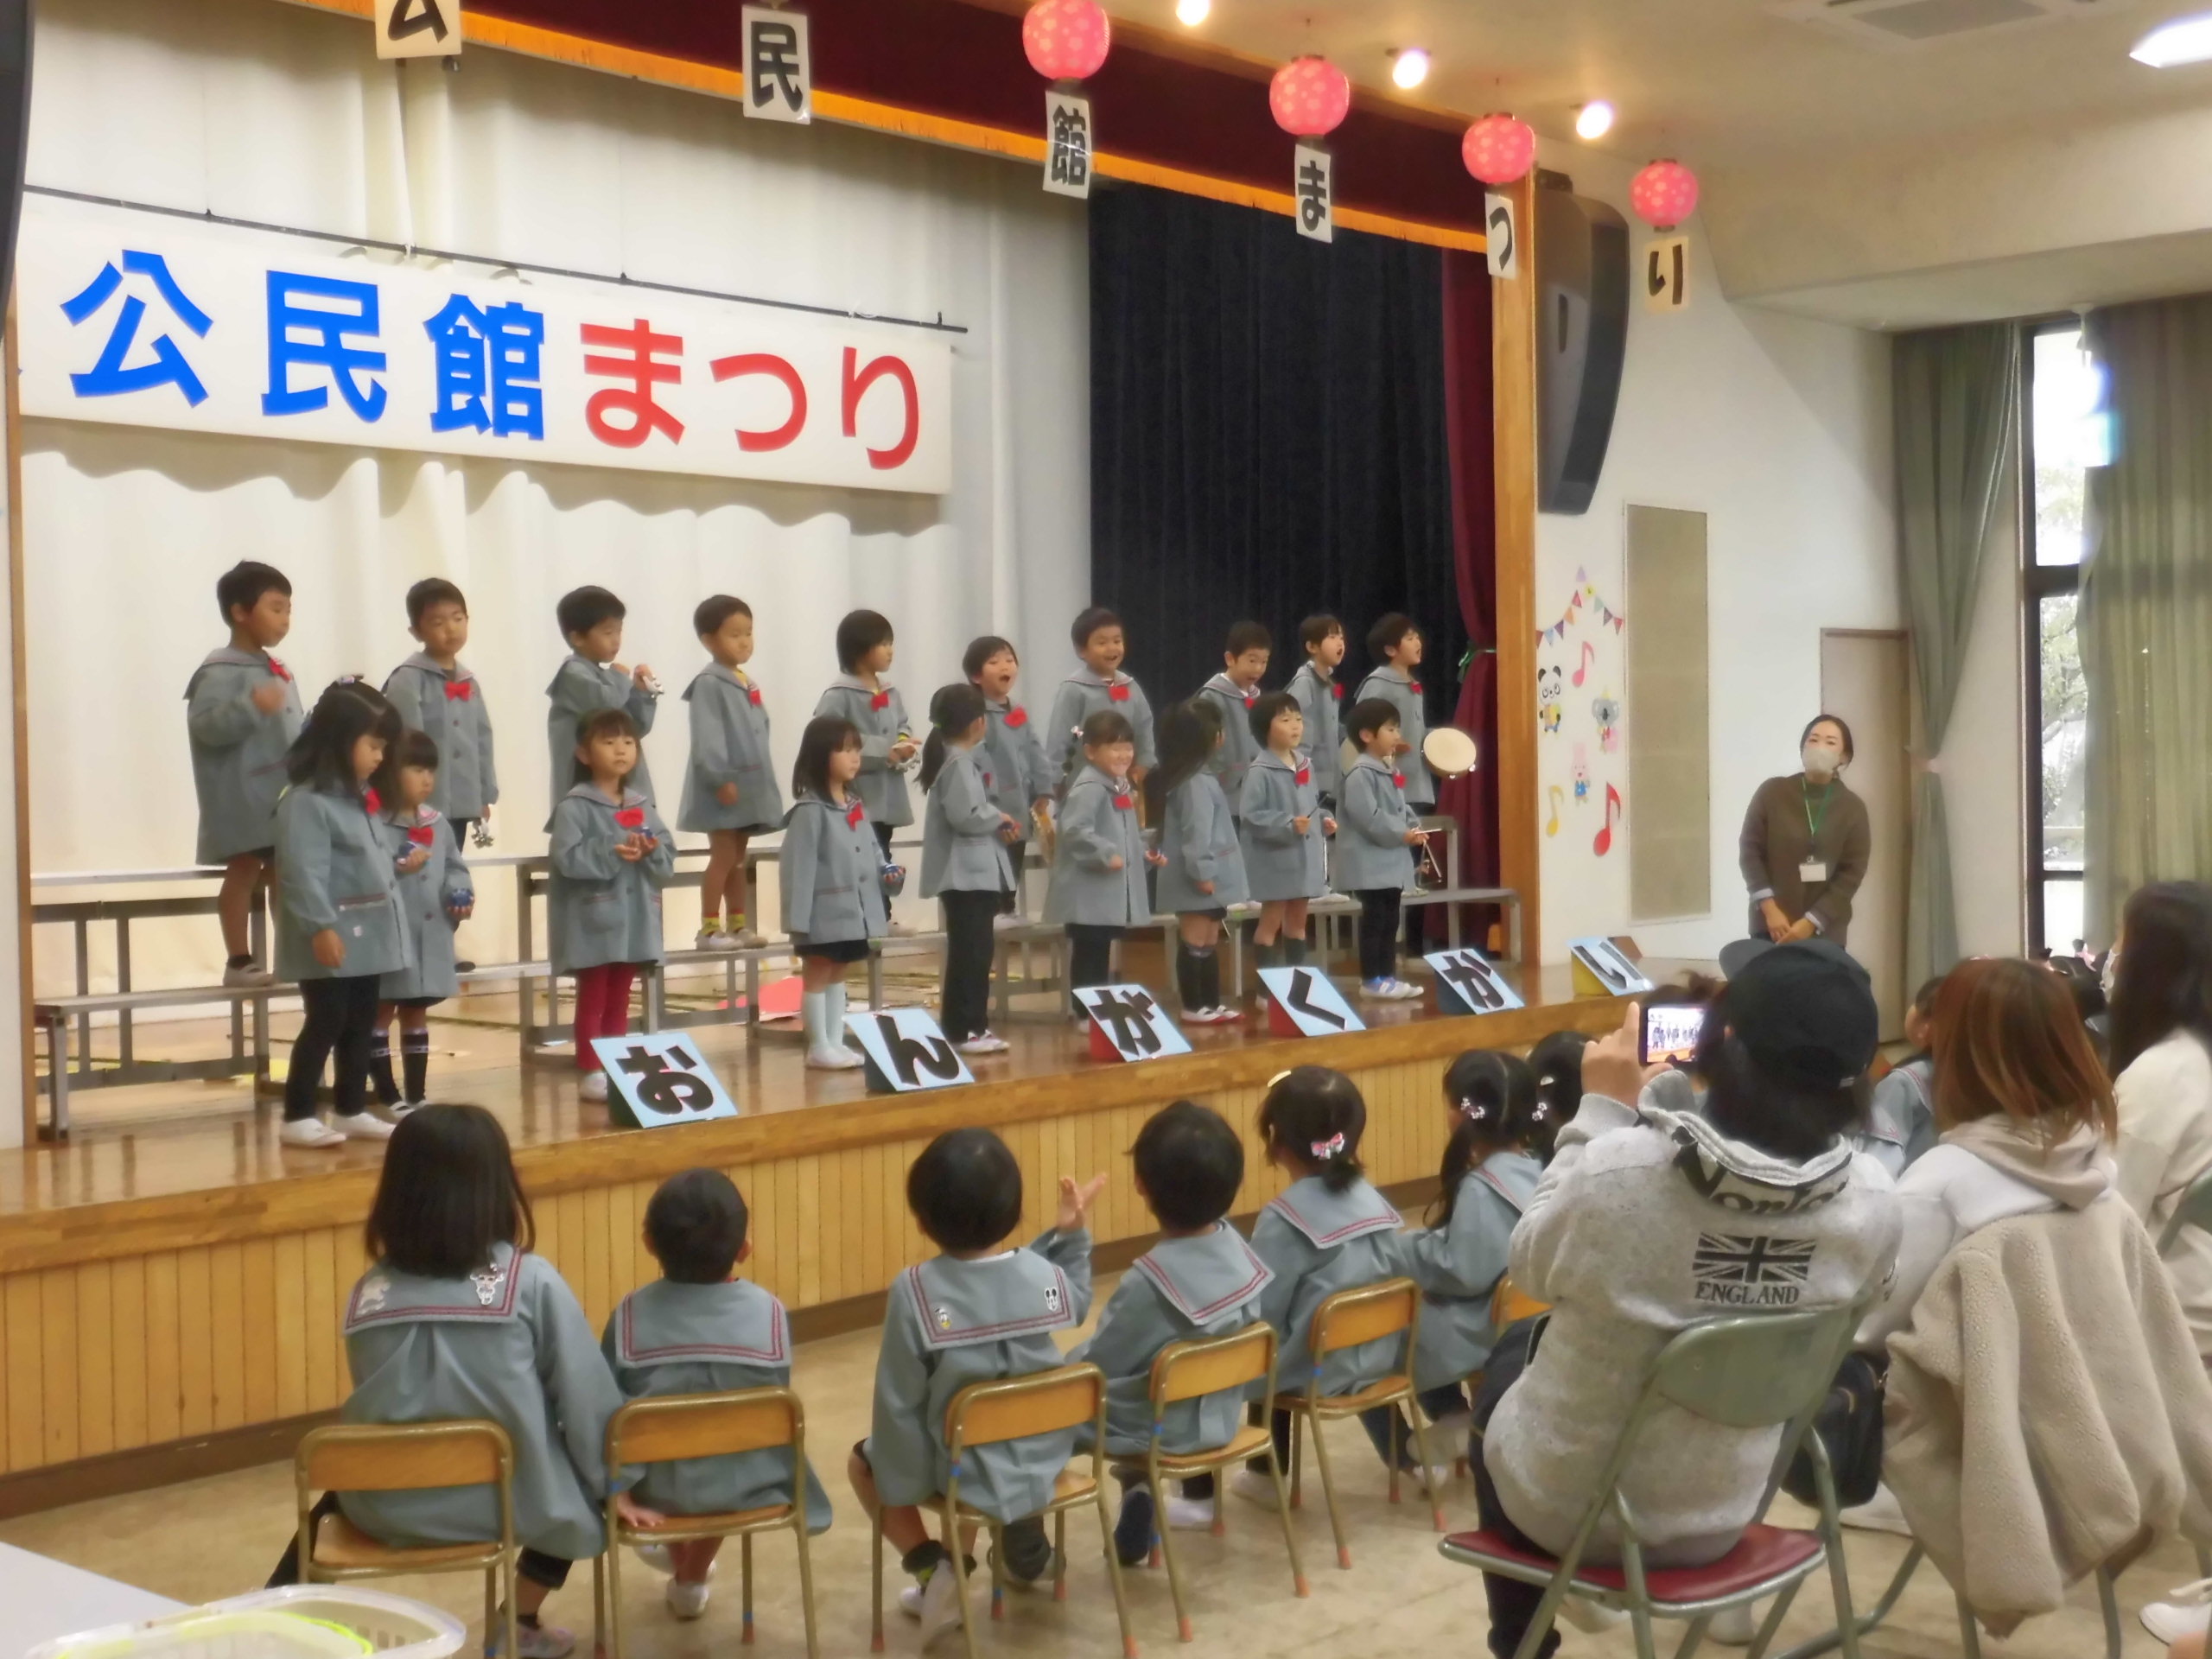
<point x="171" y="1279"/>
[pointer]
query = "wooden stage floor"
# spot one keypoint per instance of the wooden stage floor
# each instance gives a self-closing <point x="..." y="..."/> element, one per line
<point x="171" y="1278"/>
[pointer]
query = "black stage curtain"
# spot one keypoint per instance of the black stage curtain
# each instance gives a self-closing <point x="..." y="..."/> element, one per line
<point x="1268" y="438"/>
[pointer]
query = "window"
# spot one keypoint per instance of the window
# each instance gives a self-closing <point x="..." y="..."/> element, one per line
<point x="2067" y="435"/>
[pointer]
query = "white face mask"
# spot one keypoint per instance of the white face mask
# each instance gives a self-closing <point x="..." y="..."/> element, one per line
<point x="1820" y="762"/>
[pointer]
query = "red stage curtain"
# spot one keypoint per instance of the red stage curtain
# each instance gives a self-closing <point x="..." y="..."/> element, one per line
<point x="1467" y="405"/>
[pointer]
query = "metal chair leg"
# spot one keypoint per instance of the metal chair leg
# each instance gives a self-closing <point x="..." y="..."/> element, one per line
<point x="1113" y="1572"/>
<point x="513" y="1614"/>
<point x="955" y="1548"/>
<point x="1831" y="1640"/>
<point x="1771" y="1625"/>
<point x="606" y="1598"/>
<point x="1165" y="1535"/>
<point x="1639" y="1611"/>
<point x="1421" y="1450"/>
<point x="875" y="1585"/>
<point x="2108" y="1603"/>
<point x="1329" y="1491"/>
<point x="1694" y="1638"/>
<point x="744" y="1566"/>
<point x="491" y="1602"/>
<point x="1282" y="1513"/>
<point x="806" y="1585"/>
<point x="1297" y="1458"/>
<point x="1969" y="1632"/>
<point x="1060" y="1555"/>
<point x="998" y="1571"/>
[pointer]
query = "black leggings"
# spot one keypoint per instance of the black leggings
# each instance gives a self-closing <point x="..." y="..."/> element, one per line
<point x="1512" y="1604"/>
<point x="883" y="839"/>
<point x="532" y="1564"/>
<point x="1090" y="955"/>
<point x="970" y="945"/>
<point x="1378" y="932"/>
<point x="341" y="1018"/>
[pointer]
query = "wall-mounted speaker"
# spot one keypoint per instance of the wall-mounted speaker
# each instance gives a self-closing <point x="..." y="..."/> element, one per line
<point x="1581" y="340"/>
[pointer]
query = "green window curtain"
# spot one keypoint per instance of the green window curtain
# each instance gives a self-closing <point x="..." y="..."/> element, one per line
<point x="1956" y="395"/>
<point x="2146" y="606"/>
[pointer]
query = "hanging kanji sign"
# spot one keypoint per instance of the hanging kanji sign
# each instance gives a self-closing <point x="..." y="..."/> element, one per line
<point x="417" y="29"/>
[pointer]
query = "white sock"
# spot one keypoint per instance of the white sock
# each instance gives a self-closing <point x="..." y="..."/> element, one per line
<point x="836" y="1037"/>
<point x="812" y="1012"/>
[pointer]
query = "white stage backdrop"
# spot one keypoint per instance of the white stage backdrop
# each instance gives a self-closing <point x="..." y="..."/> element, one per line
<point x="260" y="111"/>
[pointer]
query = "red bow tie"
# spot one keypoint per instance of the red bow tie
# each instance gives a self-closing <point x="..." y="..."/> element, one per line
<point x="1399" y="778"/>
<point x="279" y="670"/>
<point x="1017" y="716"/>
<point x="460" y="690"/>
<point x="1251" y="697"/>
<point x="753" y="695"/>
<point x="854" y="814"/>
<point x="372" y="801"/>
<point x="986" y="781"/>
<point x="1415" y="686"/>
<point x="1124" y="802"/>
<point x="630" y="818"/>
<point x="1336" y="691"/>
<point x="1117" y="693"/>
<point x="1305" y="775"/>
<point x="422" y="833"/>
<point x="881" y="700"/>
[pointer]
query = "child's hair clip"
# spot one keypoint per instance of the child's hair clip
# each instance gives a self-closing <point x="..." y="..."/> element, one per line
<point x="1474" y="1110"/>
<point x="1332" y="1148"/>
<point x="1541" y="1111"/>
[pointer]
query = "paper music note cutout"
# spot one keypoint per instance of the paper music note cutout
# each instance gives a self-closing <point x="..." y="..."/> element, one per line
<point x="1603" y="843"/>
<point x="1551" y="824"/>
<point x="1589" y="656"/>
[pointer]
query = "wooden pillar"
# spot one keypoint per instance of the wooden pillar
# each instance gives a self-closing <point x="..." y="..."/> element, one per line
<point x="1513" y="360"/>
<point x="19" y="684"/>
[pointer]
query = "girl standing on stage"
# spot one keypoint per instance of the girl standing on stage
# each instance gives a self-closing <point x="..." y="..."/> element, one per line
<point x="1285" y="831"/>
<point x="1204" y="871"/>
<point x="964" y="865"/>
<point x="339" y="927"/>
<point x="1099" y="856"/>
<point x="610" y="856"/>
<point x="832" y="876"/>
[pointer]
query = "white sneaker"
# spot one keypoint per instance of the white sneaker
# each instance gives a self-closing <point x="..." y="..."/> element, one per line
<point x="998" y="1045"/>
<point x="405" y="1107"/>
<point x="1254" y="1488"/>
<point x="248" y="978"/>
<point x="309" y="1132"/>
<point x="657" y="1557"/>
<point x="1006" y="921"/>
<point x="1223" y="1016"/>
<point x="361" y="1126"/>
<point x="2170" y="1621"/>
<point x="1734" y="1627"/>
<point x="537" y="1641"/>
<point x="1195" y="1513"/>
<point x="1588" y="1616"/>
<point x="1377" y="991"/>
<point x="1880" y="1513"/>
<point x="592" y="1087"/>
<point x="687" y="1600"/>
<point x="745" y="939"/>
<point x="939" y="1604"/>
<point x="712" y="938"/>
<point x="910" y="1601"/>
<point x="833" y="1059"/>
<point x="1403" y="992"/>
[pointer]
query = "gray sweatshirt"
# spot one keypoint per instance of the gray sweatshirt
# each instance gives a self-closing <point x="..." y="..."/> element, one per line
<point x="1645" y="1222"/>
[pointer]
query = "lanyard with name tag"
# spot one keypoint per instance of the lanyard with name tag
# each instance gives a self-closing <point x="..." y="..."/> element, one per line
<point x="1815" y="869"/>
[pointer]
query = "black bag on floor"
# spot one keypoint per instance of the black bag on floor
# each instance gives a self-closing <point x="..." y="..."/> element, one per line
<point x="1849" y="1423"/>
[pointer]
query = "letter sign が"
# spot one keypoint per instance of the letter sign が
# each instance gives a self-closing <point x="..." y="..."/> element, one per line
<point x="1127" y="1023"/>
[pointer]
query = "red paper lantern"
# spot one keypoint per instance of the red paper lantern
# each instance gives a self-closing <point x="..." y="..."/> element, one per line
<point x="1498" y="148"/>
<point x="1066" y="40"/>
<point x="1309" y="97"/>
<point x="1664" y="194"/>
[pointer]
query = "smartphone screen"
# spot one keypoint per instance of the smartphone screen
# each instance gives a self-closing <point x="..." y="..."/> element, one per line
<point x="1670" y="1033"/>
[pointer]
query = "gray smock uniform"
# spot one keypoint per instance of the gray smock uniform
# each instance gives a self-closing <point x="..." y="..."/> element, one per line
<point x="879" y="715"/>
<point x="1320" y="699"/>
<point x="668" y="1337"/>
<point x="948" y="1323"/>
<point x="1238" y="748"/>
<point x="1372" y="818"/>
<point x="1458" y="1267"/>
<point x="730" y="745"/>
<point x="962" y="849"/>
<point x="600" y="907"/>
<point x="1318" y="1243"/>
<point x="238" y="752"/>
<point x="335" y="870"/>
<point x="1901" y="1120"/>
<point x="1403" y="692"/>
<point x="1021" y="776"/>
<point x="424" y="900"/>
<point x="831" y="870"/>
<point x="581" y="688"/>
<point x="1279" y="863"/>
<point x="1098" y="821"/>
<point x="1179" y="1290"/>
<point x="1082" y="695"/>
<point x="510" y="1344"/>
<point x="1197" y="835"/>
<point x="449" y="710"/>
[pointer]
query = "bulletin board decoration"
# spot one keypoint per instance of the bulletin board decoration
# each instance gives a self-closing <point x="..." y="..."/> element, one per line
<point x="1585" y="597"/>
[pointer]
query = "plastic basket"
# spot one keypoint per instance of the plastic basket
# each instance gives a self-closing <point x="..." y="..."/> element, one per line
<point x="308" y="1621"/>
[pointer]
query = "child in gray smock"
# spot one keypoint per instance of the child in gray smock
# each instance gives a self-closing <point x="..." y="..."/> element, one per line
<point x="1285" y="832"/>
<point x="964" y="862"/>
<point x="832" y="873"/>
<point x="590" y="680"/>
<point x="1099" y="856"/>
<point x="1233" y="692"/>
<point x="1204" y="872"/>
<point x="242" y="713"/>
<point x="1395" y="645"/>
<point x="973" y="1314"/>
<point x="1201" y="1280"/>
<point x="1098" y="687"/>
<point x="1329" y="1230"/>
<point x="437" y="695"/>
<point x="1901" y="1119"/>
<point x="729" y="787"/>
<point x="1022" y="781"/>
<point x="1377" y="832"/>
<point x="1320" y="698"/>
<point x="436" y="895"/>
<point x="611" y="855"/>
<point x="698" y="1330"/>
<point x="878" y="712"/>
<point x="463" y="1324"/>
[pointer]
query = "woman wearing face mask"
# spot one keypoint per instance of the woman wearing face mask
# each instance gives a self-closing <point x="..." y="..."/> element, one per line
<point x="1805" y="842"/>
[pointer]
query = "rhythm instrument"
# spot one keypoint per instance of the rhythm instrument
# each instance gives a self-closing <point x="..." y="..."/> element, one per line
<point x="1449" y="751"/>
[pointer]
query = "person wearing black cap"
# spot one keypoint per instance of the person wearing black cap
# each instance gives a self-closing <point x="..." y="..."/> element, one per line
<point x="1648" y="1219"/>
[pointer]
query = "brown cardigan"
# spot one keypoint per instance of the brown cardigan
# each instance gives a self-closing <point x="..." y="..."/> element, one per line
<point x="1775" y="841"/>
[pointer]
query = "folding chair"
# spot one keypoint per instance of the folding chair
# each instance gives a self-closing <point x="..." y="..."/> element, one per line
<point x="1969" y="1632"/>
<point x="398" y="1457"/>
<point x="680" y="1426"/>
<point x="1743" y="1371"/>
<point x="1509" y="1304"/>
<point x="1352" y="1318"/>
<point x="1190" y="1371"/>
<point x="1014" y="1408"/>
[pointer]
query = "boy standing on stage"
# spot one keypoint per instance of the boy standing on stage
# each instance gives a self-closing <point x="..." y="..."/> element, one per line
<point x="1234" y="691"/>
<point x="590" y="680"/>
<point x="1098" y="686"/>
<point x="1320" y="694"/>
<point x="437" y="695"/>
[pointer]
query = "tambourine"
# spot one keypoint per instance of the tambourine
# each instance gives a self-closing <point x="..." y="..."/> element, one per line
<point x="895" y="881"/>
<point x="462" y="899"/>
<point x="1449" y="751"/>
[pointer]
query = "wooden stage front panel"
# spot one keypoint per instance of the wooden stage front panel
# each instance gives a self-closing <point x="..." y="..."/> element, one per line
<point x="143" y="1304"/>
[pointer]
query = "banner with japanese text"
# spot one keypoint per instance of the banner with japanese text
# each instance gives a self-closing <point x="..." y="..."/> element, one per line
<point x="141" y="321"/>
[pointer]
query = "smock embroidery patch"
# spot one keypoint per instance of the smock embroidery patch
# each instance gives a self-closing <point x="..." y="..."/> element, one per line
<point x="487" y="1285"/>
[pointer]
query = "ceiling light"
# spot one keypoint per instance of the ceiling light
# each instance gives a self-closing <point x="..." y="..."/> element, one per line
<point x="2186" y="39"/>
<point x="1191" y="13"/>
<point x="1409" y="68"/>
<point x="1594" y="119"/>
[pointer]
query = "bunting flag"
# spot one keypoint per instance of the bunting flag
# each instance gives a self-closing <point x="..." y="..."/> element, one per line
<point x="1585" y="593"/>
